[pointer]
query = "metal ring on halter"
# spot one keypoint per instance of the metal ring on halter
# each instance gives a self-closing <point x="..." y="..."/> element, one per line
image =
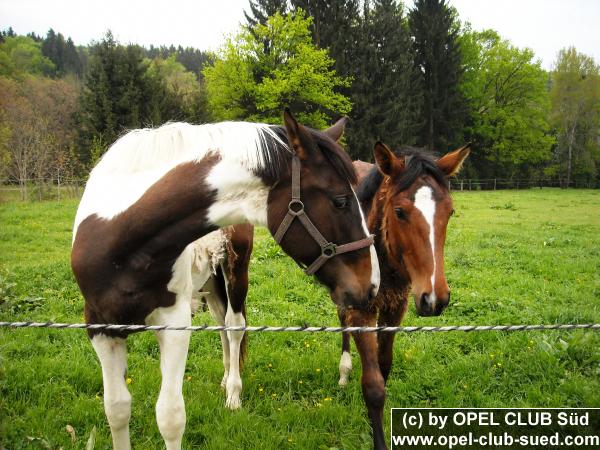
<point x="329" y="250"/>
<point x="292" y="211"/>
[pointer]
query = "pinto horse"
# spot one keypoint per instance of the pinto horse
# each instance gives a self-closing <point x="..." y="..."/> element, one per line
<point x="156" y="191"/>
<point x="408" y="205"/>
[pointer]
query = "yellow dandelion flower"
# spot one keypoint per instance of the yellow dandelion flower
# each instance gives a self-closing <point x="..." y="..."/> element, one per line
<point x="189" y="378"/>
<point x="327" y="399"/>
<point x="128" y="380"/>
<point x="318" y="370"/>
<point x="260" y="389"/>
<point x="300" y="381"/>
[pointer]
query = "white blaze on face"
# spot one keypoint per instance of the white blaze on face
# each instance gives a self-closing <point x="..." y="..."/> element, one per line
<point x="375" y="274"/>
<point x="425" y="203"/>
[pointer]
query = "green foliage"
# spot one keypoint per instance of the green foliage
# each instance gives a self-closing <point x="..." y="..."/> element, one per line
<point x="435" y="33"/>
<point x="62" y="53"/>
<point x="575" y="114"/>
<point x="182" y="97"/>
<point x="21" y="56"/>
<point x="261" y="10"/>
<point x="386" y="90"/>
<point x="509" y="106"/>
<point x="247" y="82"/>
<point x="118" y="94"/>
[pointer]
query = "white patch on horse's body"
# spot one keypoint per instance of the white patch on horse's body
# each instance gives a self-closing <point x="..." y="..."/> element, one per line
<point x="425" y="203"/>
<point x="241" y="196"/>
<point x="142" y="157"/>
<point x="345" y="368"/>
<point x="375" y="273"/>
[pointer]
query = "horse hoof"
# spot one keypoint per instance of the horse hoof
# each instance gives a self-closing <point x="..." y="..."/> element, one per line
<point x="343" y="382"/>
<point x="233" y="403"/>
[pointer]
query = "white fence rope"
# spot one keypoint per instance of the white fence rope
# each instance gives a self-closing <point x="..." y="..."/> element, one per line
<point x="306" y="329"/>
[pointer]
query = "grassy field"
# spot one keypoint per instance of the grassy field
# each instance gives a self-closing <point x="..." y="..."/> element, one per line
<point x="513" y="257"/>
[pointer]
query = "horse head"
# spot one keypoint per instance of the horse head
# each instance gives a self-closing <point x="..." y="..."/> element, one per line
<point x="337" y="247"/>
<point x="417" y="206"/>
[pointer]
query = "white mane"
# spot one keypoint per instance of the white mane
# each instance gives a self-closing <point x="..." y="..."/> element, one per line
<point x="141" y="157"/>
<point x="171" y="144"/>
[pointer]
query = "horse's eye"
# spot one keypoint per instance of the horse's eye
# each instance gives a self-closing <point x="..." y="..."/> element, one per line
<point x="401" y="214"/>
<point x="341" y="201"/>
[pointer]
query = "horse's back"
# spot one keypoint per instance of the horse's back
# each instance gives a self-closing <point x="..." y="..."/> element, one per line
<point x="362" y="169"/>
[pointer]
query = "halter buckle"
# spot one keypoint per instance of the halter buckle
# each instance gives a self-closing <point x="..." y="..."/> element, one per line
<point x="329" y="250"/>
<point x="296" y="203"/>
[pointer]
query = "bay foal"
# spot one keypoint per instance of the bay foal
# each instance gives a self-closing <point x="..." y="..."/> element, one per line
<point x="408" y="205"/>
<point x="156" y="191"/>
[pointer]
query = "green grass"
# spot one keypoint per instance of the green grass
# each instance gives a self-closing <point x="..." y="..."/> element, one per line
<point x="513" y="257"/>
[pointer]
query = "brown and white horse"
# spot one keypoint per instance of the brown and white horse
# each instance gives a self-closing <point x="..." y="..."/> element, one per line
<point x="156" y="191"/>
<point x="408" y="205"/>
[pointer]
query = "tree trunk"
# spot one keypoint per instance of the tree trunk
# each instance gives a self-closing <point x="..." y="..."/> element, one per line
<point x="570" y="154"/>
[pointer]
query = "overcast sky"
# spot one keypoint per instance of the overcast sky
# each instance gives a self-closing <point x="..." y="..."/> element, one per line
<point x="543" y="25"/>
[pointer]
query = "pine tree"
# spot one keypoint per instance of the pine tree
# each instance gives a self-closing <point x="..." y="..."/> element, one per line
<point x="437" y="57"/>
<point x="387" y="93"/>
<point x="118" y="95"/>
<point x="261" y="10"/>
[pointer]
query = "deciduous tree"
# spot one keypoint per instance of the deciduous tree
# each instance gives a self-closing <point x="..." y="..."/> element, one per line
<point x="246" y="82"/>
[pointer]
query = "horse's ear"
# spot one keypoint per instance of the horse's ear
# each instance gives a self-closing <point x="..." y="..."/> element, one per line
<point x="386" y="161"/>
<point x="336" y="131"/>
<point x="292" y="127"/>
<point x="452" y="162"/>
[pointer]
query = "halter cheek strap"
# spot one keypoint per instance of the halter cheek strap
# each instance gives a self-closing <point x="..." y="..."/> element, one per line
<point x="296" y="209"/>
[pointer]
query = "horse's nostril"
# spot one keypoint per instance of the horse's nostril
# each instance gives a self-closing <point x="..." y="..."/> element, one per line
<point x="425" y="300"/>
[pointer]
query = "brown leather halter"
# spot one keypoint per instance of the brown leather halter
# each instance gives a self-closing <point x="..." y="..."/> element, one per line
<point x="296" y="209"/>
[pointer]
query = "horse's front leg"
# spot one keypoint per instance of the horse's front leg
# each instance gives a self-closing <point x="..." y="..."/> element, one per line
<point x="170" y="407"/>
<point x="112" y="353"/>
<point x="373" y="385"/>
<point x="391" y="312"/>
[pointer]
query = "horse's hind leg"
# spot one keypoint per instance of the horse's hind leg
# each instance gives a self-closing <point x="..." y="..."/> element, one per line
<point x="216" y="299"/>
<point x="345" y="366"/>
<point x="235" y="269"/>
<point x="170" y="407"/>
<point x="112" y="353"/>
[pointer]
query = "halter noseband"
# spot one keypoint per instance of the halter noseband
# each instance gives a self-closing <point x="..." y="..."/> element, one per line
<point x="296" y="209"/>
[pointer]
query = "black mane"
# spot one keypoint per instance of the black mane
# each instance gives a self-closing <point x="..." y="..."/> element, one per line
<point x="278" y="160"/>
<point x="418" y="163"/>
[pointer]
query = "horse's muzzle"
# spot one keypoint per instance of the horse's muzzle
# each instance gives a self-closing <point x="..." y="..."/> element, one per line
<point x="429" y="305"/>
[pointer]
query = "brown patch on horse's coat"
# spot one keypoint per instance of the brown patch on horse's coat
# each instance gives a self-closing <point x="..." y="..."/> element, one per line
<point x="124" y="264"/>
